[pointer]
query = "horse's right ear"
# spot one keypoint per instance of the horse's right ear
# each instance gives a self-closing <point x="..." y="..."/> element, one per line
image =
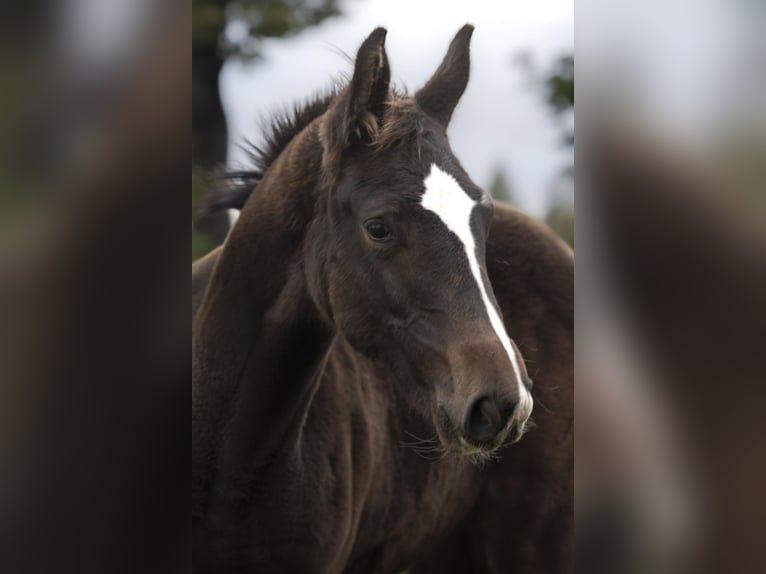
<point x="355" y="116"/>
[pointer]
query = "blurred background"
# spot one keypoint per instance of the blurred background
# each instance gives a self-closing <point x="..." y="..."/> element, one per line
<point x="513" y="130"/>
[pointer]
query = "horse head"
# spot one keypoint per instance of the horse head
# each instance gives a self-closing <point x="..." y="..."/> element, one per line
<point x="395" y="258"/>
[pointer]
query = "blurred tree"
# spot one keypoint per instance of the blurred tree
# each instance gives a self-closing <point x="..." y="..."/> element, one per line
<point x="560" y="218"/>
<point x="559" y="86"/>
<point x="499" y="188"/>
<point x="223" y="28"/>
<point x="557" y="82"/>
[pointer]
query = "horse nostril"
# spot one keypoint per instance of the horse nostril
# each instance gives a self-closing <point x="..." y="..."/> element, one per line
<point x="484" y="420"/>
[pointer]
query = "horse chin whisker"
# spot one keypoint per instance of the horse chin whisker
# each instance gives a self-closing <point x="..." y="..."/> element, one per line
<point x="477" y="455"/>
<point x="482" y="457"/>
<point x="431" y="453"/>
<point x="430" y="449"/>
<point x="529" y="424"/>
<point x="418" y="440"/>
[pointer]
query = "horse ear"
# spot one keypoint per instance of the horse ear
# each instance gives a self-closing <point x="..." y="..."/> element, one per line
<point x="357" y="113"/>
<point x="442" y="92"/>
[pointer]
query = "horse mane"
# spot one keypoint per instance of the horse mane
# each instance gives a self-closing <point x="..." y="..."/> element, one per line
<point x="230" y="189"/>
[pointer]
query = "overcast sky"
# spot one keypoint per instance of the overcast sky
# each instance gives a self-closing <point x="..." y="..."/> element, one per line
<point x="502" y="120"/>
<point x="687" y="62"/>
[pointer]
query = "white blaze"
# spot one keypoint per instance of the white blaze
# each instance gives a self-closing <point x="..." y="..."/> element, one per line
<point x="444" y="197"/>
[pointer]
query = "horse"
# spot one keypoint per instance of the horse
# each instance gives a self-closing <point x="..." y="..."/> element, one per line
<point x="358" y="403"/>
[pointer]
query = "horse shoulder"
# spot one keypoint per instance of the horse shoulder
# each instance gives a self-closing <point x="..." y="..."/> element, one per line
<point x="529" y="495"/>
<point x="531" y="269"/>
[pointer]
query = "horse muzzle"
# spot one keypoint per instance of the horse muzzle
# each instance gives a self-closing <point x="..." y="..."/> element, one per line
<point x="489" y="423"/>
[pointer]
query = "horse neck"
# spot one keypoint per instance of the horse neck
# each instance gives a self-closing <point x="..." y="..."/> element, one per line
<point x="258" y="341"/>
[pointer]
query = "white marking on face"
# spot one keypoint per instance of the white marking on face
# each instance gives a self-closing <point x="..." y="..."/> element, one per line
<point x="444" y="197"/>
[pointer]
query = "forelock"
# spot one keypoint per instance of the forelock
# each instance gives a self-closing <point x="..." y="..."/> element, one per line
<point x="402" y="122"/>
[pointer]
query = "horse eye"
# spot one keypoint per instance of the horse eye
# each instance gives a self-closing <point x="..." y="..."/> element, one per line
<point x="377" y="230"/>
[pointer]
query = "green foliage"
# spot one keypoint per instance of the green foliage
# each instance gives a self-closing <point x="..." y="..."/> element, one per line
<point x="556" y="83"/>
<point x="208" y="20"/>
<point x="561" y="219"/>
<point x="210" y="46"/>
<point x="499" y="188"/>
<point x="560" y="84"/>
<point x="261" y="19"/>
<point x="201" y="243"/>
<point x="560" y="89"/>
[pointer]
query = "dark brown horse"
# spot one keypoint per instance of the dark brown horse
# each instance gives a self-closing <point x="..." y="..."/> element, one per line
<point x="356" y="399"/>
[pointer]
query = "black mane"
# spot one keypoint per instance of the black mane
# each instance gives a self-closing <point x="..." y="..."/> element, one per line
<point x="231" y="189"/>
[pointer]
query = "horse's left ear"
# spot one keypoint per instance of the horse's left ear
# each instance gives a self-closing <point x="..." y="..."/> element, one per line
<point x="356" y="115"/>
<point x="442" y="92"/>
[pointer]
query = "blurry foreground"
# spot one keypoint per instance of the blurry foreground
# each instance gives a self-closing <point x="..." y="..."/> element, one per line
<point x="93" y="323"/>
<point x="670" y="306"/>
